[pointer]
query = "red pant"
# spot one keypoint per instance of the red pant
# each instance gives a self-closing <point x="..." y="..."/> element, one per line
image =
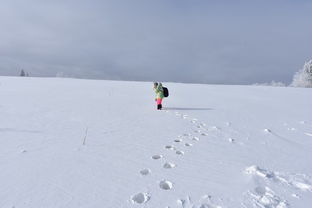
<point x="158" y="100"/>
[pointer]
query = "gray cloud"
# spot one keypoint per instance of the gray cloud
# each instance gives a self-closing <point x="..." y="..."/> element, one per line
<point x="183" y="41"/>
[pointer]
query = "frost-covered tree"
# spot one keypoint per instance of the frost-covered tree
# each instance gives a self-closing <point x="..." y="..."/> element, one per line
<point x="303" y="78"/>
<point x="272" y="84"/>
<point x="22" y="74"/>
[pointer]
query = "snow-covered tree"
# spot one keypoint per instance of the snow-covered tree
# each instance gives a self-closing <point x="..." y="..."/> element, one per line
<point x="22" y="74"/>
<point x="303" y="78"/>
<point x="272" y="84"/>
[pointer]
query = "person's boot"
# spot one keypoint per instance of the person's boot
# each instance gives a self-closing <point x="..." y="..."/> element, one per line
<point x="159" y="107"/>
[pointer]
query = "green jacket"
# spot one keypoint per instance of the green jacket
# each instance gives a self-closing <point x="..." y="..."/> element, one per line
<point x="159" y="91"/>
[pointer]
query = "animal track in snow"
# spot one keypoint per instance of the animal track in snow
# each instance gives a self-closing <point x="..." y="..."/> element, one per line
<point x="165" y="185"/>
<point x="157" y="157"/>
<point x="179" y="152"/>
<point x="169" y="165"/>
<point x="140" y="198"/>
<point x="145" y="172"/>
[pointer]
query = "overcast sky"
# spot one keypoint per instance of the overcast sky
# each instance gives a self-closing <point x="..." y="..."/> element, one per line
<point x="231" y="42"/>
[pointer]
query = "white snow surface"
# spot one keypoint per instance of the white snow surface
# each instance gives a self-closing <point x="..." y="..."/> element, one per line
<point x="69" y="143"/>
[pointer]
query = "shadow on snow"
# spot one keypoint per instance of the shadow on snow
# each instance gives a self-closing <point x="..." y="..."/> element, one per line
<point x="180" y="108"/>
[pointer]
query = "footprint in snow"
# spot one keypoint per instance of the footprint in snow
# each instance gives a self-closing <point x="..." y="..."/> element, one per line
<point x="157" y="157"/>
<point x="267" y="130"/>
<point x="231" y="140"/>
<point x="170" y="147"/>
<point x="188" y="144"/>
<point x="195" y="139"/>
<point x="140" y="198"/>
<point x="204" y="134"/>
<point x="169" y="165"/>
<point x="165" y="185"/>
<point x="194" y="120"/>
<point x="145" y="172"/>
<point x="178" y="140"/>
<point x="179" y="152"/>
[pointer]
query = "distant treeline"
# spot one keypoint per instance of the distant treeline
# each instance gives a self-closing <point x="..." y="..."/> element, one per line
<point x="24" y="74"/>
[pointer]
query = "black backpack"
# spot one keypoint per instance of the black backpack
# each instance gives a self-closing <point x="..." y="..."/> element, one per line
<point x="166" y="91"/>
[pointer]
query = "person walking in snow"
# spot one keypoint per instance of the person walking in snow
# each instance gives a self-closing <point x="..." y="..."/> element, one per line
<point x="159" y="94"/>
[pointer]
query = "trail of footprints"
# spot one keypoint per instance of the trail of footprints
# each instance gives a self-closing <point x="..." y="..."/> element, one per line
<point x="187" y="140"/>
<point x="261" y="196"/>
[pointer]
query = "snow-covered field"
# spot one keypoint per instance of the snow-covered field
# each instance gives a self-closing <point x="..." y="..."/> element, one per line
<point x="67" y="143"/>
